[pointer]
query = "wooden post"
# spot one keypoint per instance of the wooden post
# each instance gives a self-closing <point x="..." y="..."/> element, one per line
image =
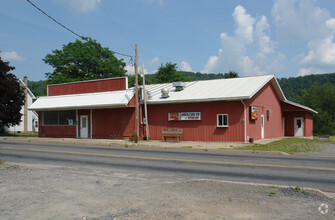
<point x="25" y="111"/>
<point x="145" y="106"/>
<point x="136" y="96"/>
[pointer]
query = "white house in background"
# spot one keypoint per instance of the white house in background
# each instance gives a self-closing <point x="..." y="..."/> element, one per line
<point x="29" y="119"/>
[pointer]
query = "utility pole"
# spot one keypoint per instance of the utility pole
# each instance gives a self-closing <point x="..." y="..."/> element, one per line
<point x="136" y="96"/>
<point x="25" y="114"/>
<point x="145" y="106"/>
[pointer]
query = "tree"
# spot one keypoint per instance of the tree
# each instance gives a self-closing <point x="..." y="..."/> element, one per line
<point x="168" y="73"/>
<point x="231" y="74"/>
<point x="11" y="98"/>
<point x="321" y="98"/>
<point x="83" y="61"/>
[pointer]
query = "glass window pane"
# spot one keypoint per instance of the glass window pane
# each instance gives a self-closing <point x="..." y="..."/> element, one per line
<point x="67" y="117"/>
<point x="50" y="118"/>
<point x="225" y="120"/>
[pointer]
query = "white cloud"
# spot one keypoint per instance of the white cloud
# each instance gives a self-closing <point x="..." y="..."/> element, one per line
<point x="244" y="22"/>
<point x="12" y="55"/>
<point x="298" y="20"/>
<point x="184" y="66"/>
<point x="302" y="20"/>
<point x="130" y="69"/>
<point x="81" y="6"/>
<point x="154" y="61"/>
<point x="250" y="33"/>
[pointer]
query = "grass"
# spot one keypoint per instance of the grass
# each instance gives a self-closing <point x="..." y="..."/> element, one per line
<point x="291" y="145"/>
<point x="1" y="161"/>
<point x="186" y="146"/>
<point x="271" y="194"/>
<point x="20" y="134"/>
<point x="298" y="190"/>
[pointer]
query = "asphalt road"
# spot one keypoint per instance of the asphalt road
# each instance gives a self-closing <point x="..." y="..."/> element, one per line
<point x="303" y="171"/>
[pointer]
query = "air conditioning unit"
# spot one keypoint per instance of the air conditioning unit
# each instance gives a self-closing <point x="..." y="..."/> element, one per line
<point x="268" y="112"/>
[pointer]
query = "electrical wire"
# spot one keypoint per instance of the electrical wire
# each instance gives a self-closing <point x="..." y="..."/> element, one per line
<point x="68" y="29"/>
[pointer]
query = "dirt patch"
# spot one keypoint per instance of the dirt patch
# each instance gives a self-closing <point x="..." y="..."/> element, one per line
<point x="51" y="192"/>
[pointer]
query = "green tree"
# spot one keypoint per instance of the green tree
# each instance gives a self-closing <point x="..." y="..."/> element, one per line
<point x="11" y="98"/>
<point x="83" y="61"/>
<point x="231" y="74"/>
<point x="322" y="99"/>
<point x="168" y="73"/>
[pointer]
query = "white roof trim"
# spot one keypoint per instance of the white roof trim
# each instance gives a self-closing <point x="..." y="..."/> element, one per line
<point x="300" y="106"/>
<point x="83" y="101"/>
<point x="30" y="92"/>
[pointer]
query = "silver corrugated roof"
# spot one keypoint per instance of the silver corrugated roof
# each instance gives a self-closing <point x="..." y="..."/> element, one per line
<point x="212" y="90"/>
<point x="80" y="101"/>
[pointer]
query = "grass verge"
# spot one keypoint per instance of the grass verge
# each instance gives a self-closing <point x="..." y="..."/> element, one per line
<point x="291" y="145"/>
<point x="20" y="134"/>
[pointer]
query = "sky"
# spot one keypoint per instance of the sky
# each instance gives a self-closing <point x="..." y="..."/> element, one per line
<point x="287" y="38"/>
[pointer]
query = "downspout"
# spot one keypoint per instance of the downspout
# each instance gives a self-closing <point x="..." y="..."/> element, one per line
<point x="245" y="122"/>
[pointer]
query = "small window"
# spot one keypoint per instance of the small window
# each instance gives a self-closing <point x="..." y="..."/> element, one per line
<point x="222" y="120"/>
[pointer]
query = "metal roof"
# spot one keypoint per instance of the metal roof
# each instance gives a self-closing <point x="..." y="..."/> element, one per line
<point x="214" y="90"/>
<point x="87" y="100"/>
<point x="301" y="106"/>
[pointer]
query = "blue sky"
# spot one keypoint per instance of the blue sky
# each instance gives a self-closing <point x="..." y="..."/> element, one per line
<point x="282" y="37"/>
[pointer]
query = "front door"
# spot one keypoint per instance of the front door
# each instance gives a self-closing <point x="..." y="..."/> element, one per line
<point x="262" y="126"/>
<point x="84" y="126"/>
<point x="299" y="127"/>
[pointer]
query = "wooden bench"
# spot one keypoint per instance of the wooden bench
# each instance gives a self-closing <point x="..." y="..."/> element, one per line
<point x="172" y="133"/>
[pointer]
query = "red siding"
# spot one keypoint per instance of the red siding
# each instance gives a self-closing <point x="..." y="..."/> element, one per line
<point x="55" y="131"/>
<point x="265" y="99"/>
<point x="113" y="123"/>
<point x="204" y="129"/>
<point x="88" y="87"/>
<point x="289" y="122"/>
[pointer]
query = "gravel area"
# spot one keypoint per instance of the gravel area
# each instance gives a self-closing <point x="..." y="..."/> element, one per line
<point x="53" y="192"/>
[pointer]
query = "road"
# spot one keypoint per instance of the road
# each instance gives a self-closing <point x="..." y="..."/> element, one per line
<point x="302" y="171"/>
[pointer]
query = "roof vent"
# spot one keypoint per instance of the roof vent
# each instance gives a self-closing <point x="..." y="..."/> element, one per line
<point x="178" y="85"/>
<point x="165" y="93"/>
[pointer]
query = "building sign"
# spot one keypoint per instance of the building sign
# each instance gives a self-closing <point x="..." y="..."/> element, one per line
<point x="253" y="113"/>
<point x="190" y="116"/>
<point x="184" y="116"/>
<point x="175" y="116"/>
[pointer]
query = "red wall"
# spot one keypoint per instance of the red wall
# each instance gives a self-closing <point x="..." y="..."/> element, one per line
<point x="104" y="85"/>
<point x="204" y="129"/>
<point x="113" y="123"/>
<point x="65" y="131"/>
<point x="265" y="99"/>
<point x="289" y="122"/>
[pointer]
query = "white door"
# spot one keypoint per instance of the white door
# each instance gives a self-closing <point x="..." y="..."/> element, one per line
<point x="299" y="127"/>
<point x="262" y="126"/>
<point x="84" y="126"/>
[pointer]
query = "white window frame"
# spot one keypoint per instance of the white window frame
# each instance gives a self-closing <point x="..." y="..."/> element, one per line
<point x="217" y="121"/>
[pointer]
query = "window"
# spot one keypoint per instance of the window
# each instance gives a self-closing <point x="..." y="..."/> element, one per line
<point x="59" y="117"/>
<point x="222" y="120"/>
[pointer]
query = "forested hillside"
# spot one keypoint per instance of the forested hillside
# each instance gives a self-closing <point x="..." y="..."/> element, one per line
<point x="293" y="86"/>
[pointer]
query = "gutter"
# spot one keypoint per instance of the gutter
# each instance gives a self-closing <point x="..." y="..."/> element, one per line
<point x="245" y="122"/>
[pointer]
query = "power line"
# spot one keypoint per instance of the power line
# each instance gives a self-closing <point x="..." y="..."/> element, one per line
<point x="68" y="29"/>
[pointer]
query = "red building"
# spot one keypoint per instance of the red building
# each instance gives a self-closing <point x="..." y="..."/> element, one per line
<point x="213" y="110"/>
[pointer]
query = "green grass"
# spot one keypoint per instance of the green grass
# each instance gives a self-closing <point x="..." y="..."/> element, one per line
<point x="20" y="134"/>
<point x="298" y="190"/>
<point x="271" y="194"/>
<point x="1" y="161"/>
<point x="186" y="146"/>
<point x="291" y="145"/>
